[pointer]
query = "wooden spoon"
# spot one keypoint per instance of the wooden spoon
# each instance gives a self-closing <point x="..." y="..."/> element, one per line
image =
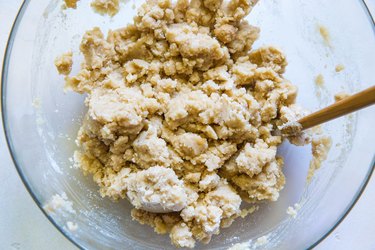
<point x="347" y="105"/>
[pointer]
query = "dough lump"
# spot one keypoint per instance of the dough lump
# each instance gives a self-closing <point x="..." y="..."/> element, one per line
<point x="64" y="63"/>
<point x="70" y="4"/>
<point x="182" y="115"/>
<point x="106" y="7"/>
<point x="154" y="186"/>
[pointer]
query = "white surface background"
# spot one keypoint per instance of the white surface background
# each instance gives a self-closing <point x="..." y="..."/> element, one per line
<point x="23" y="226"/>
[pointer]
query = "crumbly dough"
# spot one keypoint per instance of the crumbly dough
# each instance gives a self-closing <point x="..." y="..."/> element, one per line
<point x="182" y="115"/>
<point x="106" y="7"/>
<point x="64" y="63"/>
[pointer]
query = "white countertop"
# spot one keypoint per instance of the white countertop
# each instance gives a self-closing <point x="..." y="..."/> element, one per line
<point x="23" y="226"/>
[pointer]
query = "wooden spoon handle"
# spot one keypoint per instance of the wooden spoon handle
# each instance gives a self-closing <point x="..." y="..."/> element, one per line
<point x="347" y="105"/>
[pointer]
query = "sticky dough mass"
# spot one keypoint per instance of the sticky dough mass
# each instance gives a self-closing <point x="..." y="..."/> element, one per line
<point x="182" y="113"/>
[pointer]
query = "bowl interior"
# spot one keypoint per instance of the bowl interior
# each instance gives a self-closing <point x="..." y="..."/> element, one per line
<point x="41" y="122"/>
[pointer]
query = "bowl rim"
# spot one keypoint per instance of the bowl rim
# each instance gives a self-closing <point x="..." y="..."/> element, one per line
<point x="3" y="81"/>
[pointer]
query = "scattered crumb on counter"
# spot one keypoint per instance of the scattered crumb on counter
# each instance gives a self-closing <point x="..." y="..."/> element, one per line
<point x="339" y="68"/>
<point x="293" y="210"/>
<point x="72" y="4"/>
<point x="240" y="246"/>
<point x="340" y="96"/>
<point x="324" y="33"/>
<point x="320" y="149"/>
<point x="262" y="241"/>
<point x="59" y="203"/>
<point x="134" y="6"/>
<point x="64" y="63"/>
<point x="319" y="80"/>
<point x="72" y="226"/>
<point x="36" y="103"/>
<point x="106" y="7"/>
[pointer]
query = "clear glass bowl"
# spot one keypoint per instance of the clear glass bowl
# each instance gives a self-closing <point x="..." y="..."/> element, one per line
<point x="41" y="139"/>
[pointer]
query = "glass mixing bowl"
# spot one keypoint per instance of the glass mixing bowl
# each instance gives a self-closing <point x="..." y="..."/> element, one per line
<point x="41" y="122"/>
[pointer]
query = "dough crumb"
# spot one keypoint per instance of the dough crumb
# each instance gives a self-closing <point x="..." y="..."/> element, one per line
<point x="72" y="226"/>
<point x="341" y="96"/>
<point x="293" y="210"/>
<point x="106" y="7"/>
<point x="261" y="241"/>
<point x="320" y="149"/>
<point x="36" y="103"/>
<point x="246" y="211"/>
<point x="70" y="4"/>
<point x="319" y="80"/>
<point x="324" y="33"/>
<point x="64" y="63"/>
<point x="59" y="203"/>
<point x="240" y="246"/>
<point x="339" y="68"/>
